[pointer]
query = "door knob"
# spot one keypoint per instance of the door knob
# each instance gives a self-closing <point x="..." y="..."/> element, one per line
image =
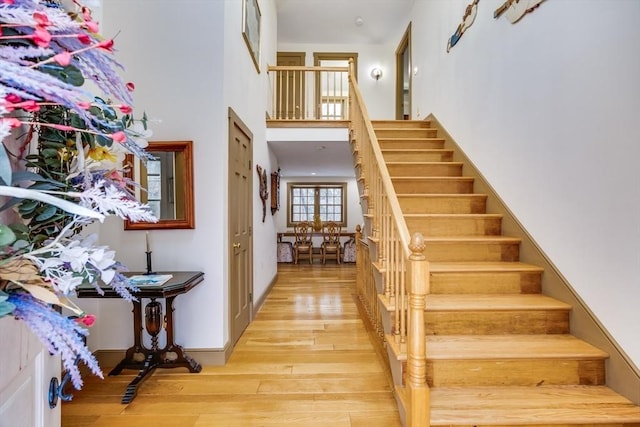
<point x="236" y="245"/>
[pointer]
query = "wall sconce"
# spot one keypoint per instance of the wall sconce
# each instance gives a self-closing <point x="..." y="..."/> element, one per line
<point x="376" y="73"/>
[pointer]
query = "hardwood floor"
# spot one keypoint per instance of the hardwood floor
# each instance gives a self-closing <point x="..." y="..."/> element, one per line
<point x="306" y="360"/>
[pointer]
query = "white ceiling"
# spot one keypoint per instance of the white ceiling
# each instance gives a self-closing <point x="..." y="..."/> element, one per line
<point x="332" y="22"/>
<point x="314" y="158"/>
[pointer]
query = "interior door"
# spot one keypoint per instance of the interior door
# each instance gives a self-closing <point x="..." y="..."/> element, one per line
<point x="240" y="226"/>
<point x="290" y="97"/>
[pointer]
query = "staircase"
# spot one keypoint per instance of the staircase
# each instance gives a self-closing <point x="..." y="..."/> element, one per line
<point x="499" y="352"/>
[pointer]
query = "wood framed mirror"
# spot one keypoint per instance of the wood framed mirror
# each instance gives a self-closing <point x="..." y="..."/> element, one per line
<point x="166" y="185"/>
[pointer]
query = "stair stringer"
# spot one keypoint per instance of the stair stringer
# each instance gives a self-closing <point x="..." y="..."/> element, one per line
<point x="621" y="374"/>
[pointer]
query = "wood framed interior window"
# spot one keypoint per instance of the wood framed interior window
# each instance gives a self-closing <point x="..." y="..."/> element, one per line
<point x="328" y="200"/>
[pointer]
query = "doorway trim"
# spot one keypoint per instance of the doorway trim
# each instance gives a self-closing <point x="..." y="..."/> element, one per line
<point x="244" y="243"/>
<point x="404" y="45"/>
<point x="295" y="103"/>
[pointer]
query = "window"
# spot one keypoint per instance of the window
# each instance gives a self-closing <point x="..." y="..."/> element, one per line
<point x="332" y="109"/>
<point x="327" y="200"/>
<point x="332" y="87"/>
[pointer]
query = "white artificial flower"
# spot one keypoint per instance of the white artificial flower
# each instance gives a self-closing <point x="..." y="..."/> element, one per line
<point x="140" y="135"/>
<point x="68" y="282"/>
<point x="107" y="276"/>
<point x="76" y="257"/>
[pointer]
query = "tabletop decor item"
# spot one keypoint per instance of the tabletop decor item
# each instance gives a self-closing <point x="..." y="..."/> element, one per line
<point x="61" y="168"/>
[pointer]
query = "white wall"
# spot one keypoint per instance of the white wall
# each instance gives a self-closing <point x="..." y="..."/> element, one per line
<point x="547" y="109"/>
<point x="243" y="91"/>
<point x="378" y="95"/>
<point x="189" y="62"/>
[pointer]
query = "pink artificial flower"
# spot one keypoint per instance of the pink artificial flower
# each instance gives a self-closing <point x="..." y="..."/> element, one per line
<point x="13" y="122"/>
<point x="84" y="105"/>
<point x="125" y="109"/>
<point x="30" y="105"/>
<point x="86" y="13"/>
<point x="87" y="320"/>
<point x="41" y="37"/>
<point x="41" y="19"/>
<point x="8" y="1"/>
<point x="12" y="97"/>
<point x="131" y="86"/>
<point x="117" y="177"/>
<point x="83" y="38"/>
<point x="106" y="45"/>
<point x="64" y="128"/>
<point x="119" y="136"/>
<point x="92" y="26"/>
<point x="63" y="58"/>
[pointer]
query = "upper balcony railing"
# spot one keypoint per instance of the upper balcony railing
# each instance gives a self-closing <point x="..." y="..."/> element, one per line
<point x="309" y="93"/>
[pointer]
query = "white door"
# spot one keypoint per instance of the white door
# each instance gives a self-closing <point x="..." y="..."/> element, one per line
<point x="26" y="369"/>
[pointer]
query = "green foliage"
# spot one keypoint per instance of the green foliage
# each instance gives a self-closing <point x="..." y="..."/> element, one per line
<point x="69" y="74"/>
<point x="52" y="161"/>
<point x="5" y="306"/>
<point x="7" y="236"/>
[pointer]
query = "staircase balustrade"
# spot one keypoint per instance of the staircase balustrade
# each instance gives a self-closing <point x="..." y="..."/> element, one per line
<point x="397" y="261"/>
<point x="309" y="93"/>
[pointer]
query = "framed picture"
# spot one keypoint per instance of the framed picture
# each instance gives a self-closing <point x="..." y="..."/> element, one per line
<point x="251" y="29"/>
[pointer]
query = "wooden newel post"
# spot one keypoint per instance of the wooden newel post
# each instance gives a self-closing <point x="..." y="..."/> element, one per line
<point x="418" y="405"/>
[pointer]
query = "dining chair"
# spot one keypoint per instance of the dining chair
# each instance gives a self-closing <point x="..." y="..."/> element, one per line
<point x="330" y="246"/>
<point x="303" y="246"/>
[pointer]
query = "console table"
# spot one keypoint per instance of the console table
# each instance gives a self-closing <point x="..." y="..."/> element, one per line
<point x="138" y="357"/>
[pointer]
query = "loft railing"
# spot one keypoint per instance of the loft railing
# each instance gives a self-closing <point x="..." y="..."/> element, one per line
<point x="309" y="93"/>
<point x="397" y="262"/>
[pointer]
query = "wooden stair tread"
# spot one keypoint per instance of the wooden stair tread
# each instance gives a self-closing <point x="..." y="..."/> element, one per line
<point x="410" y="139"/>
<point x="415" y="150"/>
<point x="484" y="302"/>
<point x="463" y="239"/>
<point x="525" y="405"/>
<point x="485" y="266"/>
<point x="392" y="126"/>
<point x="431" y="178"/>
<point x="452" y="215"/>
<point x="472" y="239"/>
<point x="473" y="347"/>
<point x="397" y="162"/>
<point x="400" y="123"/>
<point x="439" y="195"/>
<point x="493" y="302"/>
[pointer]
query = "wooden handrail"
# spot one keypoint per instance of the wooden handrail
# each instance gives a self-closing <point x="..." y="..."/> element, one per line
<point x="384" y="172"/>
<point x="303" y="68"/>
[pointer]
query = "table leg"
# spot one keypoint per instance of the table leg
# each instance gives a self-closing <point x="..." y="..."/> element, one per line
<point x="153" y="358"/>
<point x="182" y="359"/>
<point x="153" y="324"/>
<point x="129" y="361"/>
<point x="151" y="362"/>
